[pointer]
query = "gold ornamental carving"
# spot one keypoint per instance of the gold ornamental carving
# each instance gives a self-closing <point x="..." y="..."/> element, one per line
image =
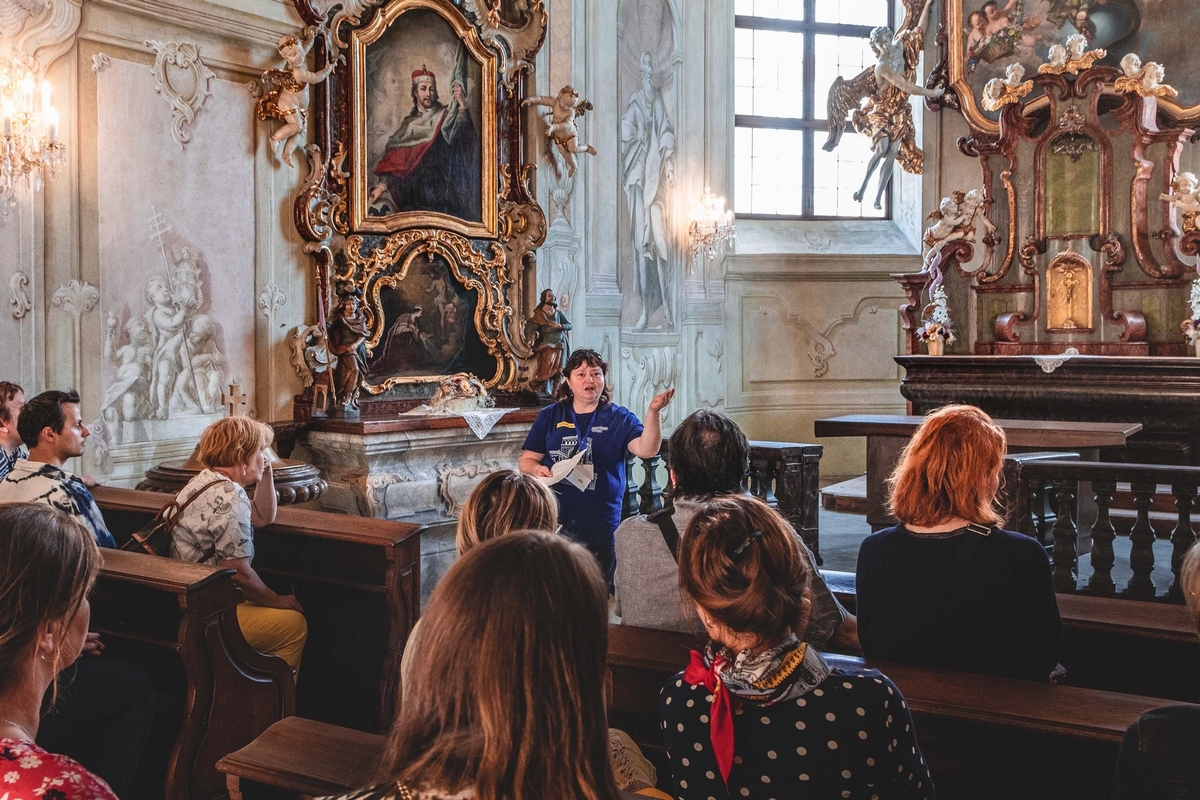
<point x="1069" y="293"/>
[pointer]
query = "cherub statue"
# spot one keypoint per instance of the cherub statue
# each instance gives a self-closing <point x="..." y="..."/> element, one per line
<point x="564" y="110"/>
<point x="886" y="116"/>
<point x="1191" y="326"/>
<point x="956" y="218"/>
<point x="1145" y="80"/>
<point x="999" y="92"/>
<point x="1072" y="58"/>
<point x="1185" y="198"/>
<point x="285" y="94"/>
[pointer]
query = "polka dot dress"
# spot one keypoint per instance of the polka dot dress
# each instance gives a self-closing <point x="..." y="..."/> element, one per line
<point x="850" y="737"/>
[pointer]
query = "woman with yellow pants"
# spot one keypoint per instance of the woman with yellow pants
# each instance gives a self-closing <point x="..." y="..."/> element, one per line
<point x="217" y="528"/>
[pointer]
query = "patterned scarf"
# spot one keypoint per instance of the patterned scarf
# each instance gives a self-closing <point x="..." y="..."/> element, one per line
<point x="784" y="672"/>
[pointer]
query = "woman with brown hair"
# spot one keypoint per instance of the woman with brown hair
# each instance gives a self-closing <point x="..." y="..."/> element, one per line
<point x="504" y="502"/>
<point x="216" y="526"/>
<point x="48" y="564"/>
<point x="947" y="587"/>
<point x="584" y="420"/>
<point x="759" y="713"/>
<point x="514" y="648"/>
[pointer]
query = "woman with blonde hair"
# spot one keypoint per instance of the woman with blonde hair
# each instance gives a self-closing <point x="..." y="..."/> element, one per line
<point x="514" y="654"/>
<point x="217" y="527"/>
<point x="759" y="713"/>
<point x="503" y="502"/>
<point x="48" y="564"/>
<point x="947" y="587"/>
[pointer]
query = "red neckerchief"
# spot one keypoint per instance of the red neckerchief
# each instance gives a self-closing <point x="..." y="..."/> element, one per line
<point x="720" y="717"/>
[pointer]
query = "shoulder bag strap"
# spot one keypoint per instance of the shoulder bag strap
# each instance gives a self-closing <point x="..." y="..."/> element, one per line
<point x="666" y="527"/>
<point x="170" y="512"/>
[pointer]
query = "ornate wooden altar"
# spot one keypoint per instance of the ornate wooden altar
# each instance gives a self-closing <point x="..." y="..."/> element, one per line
<point x="1085" y="253"/>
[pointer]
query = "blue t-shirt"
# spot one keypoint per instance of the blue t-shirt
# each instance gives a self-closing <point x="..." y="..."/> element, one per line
<point x="592" y="515"/>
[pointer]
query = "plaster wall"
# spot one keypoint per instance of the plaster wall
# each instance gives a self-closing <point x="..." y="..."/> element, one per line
<point x="793" y="322"/>
<point x="144" y="195"/>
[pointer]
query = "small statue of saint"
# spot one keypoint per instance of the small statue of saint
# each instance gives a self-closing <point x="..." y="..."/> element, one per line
<point x="547" y="327"/>
<point x="347" y="333"/>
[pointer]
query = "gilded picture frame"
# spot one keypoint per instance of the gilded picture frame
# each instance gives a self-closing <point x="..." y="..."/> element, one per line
<point x="981" y="43"/>
<point x="411" y="37"/>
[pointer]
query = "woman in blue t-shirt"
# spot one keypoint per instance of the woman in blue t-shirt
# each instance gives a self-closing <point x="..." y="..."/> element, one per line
<point x="584" y="412"/>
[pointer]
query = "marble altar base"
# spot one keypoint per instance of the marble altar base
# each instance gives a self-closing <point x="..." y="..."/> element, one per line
<point x="411" y="468"/>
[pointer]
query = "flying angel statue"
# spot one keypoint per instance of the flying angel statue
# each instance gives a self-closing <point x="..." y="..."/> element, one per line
<point x="885" y="116"/>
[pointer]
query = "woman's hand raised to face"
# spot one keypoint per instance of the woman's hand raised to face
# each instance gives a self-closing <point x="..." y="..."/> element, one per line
<point x="662" y="400"/>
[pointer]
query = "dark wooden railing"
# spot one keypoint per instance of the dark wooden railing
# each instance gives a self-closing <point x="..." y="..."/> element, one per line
<point x="785" y="475"/>
<point x="1128" y="503"/>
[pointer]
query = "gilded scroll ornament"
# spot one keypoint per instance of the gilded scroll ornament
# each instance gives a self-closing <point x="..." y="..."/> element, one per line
<point x="886" y="115"/>
<point x="1072" y="58"/>
<point x="1144" y="80"/>
<point x="1000" y="92"/>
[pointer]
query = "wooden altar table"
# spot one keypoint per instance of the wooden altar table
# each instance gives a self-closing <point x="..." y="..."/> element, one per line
<point x="887" y="435"/>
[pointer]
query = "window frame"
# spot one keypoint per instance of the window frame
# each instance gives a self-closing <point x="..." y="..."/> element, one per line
<point x="808" y="124"/>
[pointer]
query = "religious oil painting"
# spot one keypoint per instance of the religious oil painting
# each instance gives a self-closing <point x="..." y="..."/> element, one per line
<point x="423" y="122"/>
<point x="426" y="326"/>
<point x="987" y="36"/>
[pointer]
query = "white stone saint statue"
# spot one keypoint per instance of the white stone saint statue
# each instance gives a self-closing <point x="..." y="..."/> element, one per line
<point x="648" y="175"/>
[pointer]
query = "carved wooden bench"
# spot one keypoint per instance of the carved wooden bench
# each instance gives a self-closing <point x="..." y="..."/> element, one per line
<point x="359" y="582"/>
<point x="299" y="758"/>
<point x="179" y="621"/>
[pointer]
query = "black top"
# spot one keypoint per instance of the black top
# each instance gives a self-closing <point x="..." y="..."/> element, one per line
<point x="959" y="601"/>
<point x="1158" y="756"/>
<point x="852" y="736"/>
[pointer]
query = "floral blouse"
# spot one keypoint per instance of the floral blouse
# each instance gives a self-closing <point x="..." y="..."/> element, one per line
<point x="216" y="526"/>
<point x="27" y="772"/>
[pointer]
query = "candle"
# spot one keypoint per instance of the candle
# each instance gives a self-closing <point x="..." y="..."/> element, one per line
<point x="27" y="91"/>
<point x="8" y="115"/>
<point x="45" y="96"/>
<point x="52" y="124"/>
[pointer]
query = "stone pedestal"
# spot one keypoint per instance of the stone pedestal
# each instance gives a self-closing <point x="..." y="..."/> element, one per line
<point x="411" y="468"/>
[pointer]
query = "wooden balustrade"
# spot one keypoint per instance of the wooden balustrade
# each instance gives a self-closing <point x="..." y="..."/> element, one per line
<point x="1068" y="483"/>
<point x="785" y="475"/>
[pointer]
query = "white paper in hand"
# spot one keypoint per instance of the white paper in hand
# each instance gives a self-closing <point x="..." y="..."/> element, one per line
<point x="581" y="477"/>
<point x="562" y="469"/>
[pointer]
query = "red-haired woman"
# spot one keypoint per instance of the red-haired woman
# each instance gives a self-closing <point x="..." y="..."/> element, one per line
<point x="947" y="587"/>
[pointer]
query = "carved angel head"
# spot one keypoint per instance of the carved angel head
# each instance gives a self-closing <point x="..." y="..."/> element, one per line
<point x="974" y="199"/>
<point x="1014" y="73"/>
<point x="1131" y="65"/>
<point x="993" y="90"/>
<point x="1057" y="55"/>
<point x="1184" y="183"/>
<point x="1076" y="46"/>
<point x="948" y="207"/>
<point x="881" y="38"/>
<point x="1153" y="74"/>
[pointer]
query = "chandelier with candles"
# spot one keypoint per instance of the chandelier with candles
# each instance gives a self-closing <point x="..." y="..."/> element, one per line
<point x="711" y="225"/>
<point x="29" y="146"/>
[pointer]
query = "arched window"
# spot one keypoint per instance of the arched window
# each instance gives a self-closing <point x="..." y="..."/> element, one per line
<point x="786" y="55"/>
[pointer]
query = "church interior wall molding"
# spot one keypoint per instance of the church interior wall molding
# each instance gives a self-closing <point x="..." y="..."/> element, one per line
<point x="186" y="92"/>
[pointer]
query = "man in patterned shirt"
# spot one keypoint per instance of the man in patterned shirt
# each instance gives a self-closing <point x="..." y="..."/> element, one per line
<point x="52" y="427"/>
<point x="12" y="398"/>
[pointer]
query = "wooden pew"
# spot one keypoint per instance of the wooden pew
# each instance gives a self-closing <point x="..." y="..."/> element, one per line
<point x="1119" y="645"/>
<point x="359" y="582"/>
<point x="179" y="620"/>
<point x="982" y="736"/>
<point x="299" y="758"/>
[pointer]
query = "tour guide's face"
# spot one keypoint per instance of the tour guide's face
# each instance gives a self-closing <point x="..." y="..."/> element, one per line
<point x="586" y="383"/>
<point x="425" y="94"/>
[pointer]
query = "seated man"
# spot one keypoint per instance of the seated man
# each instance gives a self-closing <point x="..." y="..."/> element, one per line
<point x="52" y="427"/>
<point x="709" y="456"/>
<point x="11" y="400"/>
<point x="104" y="711"/>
